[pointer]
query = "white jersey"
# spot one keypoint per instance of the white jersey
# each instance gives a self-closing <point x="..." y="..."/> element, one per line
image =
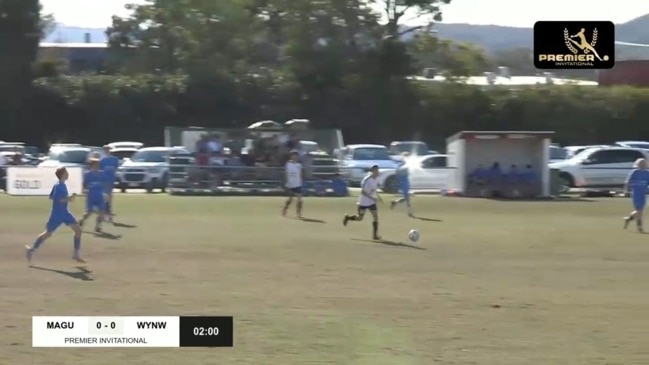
<point x="293" y="175"/>
<point x="369" y="186"/>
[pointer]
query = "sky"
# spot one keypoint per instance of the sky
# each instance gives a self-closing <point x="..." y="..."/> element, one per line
<point x="515" y="13"/>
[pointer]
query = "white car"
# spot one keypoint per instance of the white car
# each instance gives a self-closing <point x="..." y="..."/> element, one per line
<point x="147" y="169"/>
<point x="599" y="167"/>
<point x="67" y="156"/>
<point x="357" y="159"/>
<point x="134" y="145"/>
<point x="428" y="172"/>
<point x="633" y="144"/>
<point x="571" y="151"/>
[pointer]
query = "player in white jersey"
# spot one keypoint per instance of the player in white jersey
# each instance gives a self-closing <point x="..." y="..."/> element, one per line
<point x="367" y="201"/>
<point x="294" y="179"/>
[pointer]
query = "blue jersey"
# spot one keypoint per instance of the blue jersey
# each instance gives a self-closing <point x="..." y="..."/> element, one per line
<point x="59" y="196"/>
<point x="94" y="182"/>
<point x="638" y="182"/>
<point x="109" y="165"/>
<point x="403" y="176"/>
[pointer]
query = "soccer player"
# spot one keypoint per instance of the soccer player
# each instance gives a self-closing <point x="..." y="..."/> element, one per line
<point x="367" y="201"/>
<point x="403" y="179"/>
<point x="293" y="182"/>
<point x="637" y="184"/>
<point x="59" y="215"/>
<point x="109" y="165"/>
<point x="94" y="182"/>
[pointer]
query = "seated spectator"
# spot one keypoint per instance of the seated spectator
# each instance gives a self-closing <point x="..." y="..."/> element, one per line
<point x="479" y="175"/>
<point x="529" y="180"/>
<point x="494" y="180"/>
<point x="513" y="179"/>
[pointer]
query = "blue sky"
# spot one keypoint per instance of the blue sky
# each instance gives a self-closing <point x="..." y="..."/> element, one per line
<point x="97" y="13"/>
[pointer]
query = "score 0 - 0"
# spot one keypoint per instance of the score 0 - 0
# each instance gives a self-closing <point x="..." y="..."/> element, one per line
<point x="105" y="326"/>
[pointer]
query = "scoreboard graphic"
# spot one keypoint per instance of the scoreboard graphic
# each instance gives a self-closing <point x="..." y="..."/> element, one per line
<point x="179" y="331"/>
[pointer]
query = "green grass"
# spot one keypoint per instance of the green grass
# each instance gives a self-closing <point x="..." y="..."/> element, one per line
<point x="494" y="283"/>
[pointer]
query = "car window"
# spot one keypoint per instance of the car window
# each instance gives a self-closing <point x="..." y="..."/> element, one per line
<point x="149" y="156"/>
<point x="614" y="156"/>
<point x="70" y="156"/>
<point x="370" y="153"/>
<point x="433" y="162"/>
<point x="628" y="155"/>
<point x="558" y="153"/>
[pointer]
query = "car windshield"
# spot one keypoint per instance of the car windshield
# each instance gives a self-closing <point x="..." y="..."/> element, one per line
<point x="644" y="146"/>
<point x="69" y="156"/>
<point x="580" y="155"/>
<point x="149" y="156"/>
<point x="371" y="153"/>
<point x="558" y="153"/>
<point x="414" y="148"/>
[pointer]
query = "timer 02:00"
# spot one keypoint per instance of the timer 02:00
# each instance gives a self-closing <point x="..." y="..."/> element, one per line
<point x="209" y="331"/>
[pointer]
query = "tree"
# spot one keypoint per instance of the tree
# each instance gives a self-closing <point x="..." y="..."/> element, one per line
<point x="452" y="59"/>
<point x="394" y="12"/>
<point x="20" y="33"/>
<point x="181" y="35"/>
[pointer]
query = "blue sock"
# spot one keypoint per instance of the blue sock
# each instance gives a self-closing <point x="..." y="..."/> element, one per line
<point x="77" y="243"/>
<point x="37" y="244"/>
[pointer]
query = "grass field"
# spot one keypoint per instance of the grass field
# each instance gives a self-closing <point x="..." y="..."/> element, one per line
<point x="489" y="283"/>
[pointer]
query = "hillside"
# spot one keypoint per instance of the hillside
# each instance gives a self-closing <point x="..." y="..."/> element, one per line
<point x="492" y="38"/>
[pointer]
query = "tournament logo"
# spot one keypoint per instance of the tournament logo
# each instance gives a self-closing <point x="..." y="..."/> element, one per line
<point x="574" y="45"/>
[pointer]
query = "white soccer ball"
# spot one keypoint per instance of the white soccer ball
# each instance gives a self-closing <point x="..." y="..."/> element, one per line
<point x="413" y="235"/>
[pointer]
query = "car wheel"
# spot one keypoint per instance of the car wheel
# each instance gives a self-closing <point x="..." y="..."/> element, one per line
<point x="165" y="183"/>
<point x="391" y="185"/>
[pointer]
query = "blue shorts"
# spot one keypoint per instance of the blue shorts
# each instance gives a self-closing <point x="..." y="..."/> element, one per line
<point x="56" y="221"/>
<point x="639" y="202"/>
<point x="108" y="188"/>
<point x="404" y="190"/>
<point x="95" y="204"/>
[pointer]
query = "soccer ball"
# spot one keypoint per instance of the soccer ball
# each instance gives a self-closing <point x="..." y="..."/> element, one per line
<point x="413" y="235"/>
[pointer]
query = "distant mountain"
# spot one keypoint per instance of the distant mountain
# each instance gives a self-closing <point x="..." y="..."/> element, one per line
<point x="493" y="38"/>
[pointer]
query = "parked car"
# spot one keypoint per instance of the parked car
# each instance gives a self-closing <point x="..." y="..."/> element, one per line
<point x="633" y="144"/>
<point x="67" y="156"/>
<point x="428" y="172"/>
<point x="574" y="150"/>
<point x="147" y="169"/>
<point x="599" y="167"/>
<point x="357" y="159"/>
<point x="135" y="145"/>
<point x="123" y="153"/>
<point x="416" y="148"/>
<point x="557" y="154"/>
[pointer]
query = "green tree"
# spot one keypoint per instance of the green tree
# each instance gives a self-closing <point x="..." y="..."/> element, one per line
<point x="396" y="11"/>
<point x="21" y="29"/>
<point x="181" y="35"/>
<point x="451" y="59"/>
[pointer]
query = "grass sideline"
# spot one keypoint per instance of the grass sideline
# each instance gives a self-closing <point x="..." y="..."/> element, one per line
<point x="492" y="283"/>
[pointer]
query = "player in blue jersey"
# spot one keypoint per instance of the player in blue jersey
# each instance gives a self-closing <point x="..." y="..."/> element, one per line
<point x="59" y="215"/>
<point x="403" y="180"/>
<point x="637" y="184"/>
<point x="109" y="164"/>
<point x="94" y="182"/>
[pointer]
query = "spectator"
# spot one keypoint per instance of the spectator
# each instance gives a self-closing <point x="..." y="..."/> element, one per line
<point x="495" y="179"/>
<point x="513" y="179"/>
<point x="214" y="145"/>
<point x="529" y="180"/>
<point x="478" y="179"/>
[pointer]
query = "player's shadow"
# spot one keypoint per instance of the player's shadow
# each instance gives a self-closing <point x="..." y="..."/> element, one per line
<point x="123" y="225"/>
<point x="82" y="273"/>
<point x="391" y="243"/>
<point x="105" y="235"/>
<point x="427" y="219"/>
<point x="311" y="220"/>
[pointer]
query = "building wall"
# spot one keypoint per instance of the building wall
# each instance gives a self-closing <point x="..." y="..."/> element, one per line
<point x="633" y="73"/>
<point x="78" y="59"/>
